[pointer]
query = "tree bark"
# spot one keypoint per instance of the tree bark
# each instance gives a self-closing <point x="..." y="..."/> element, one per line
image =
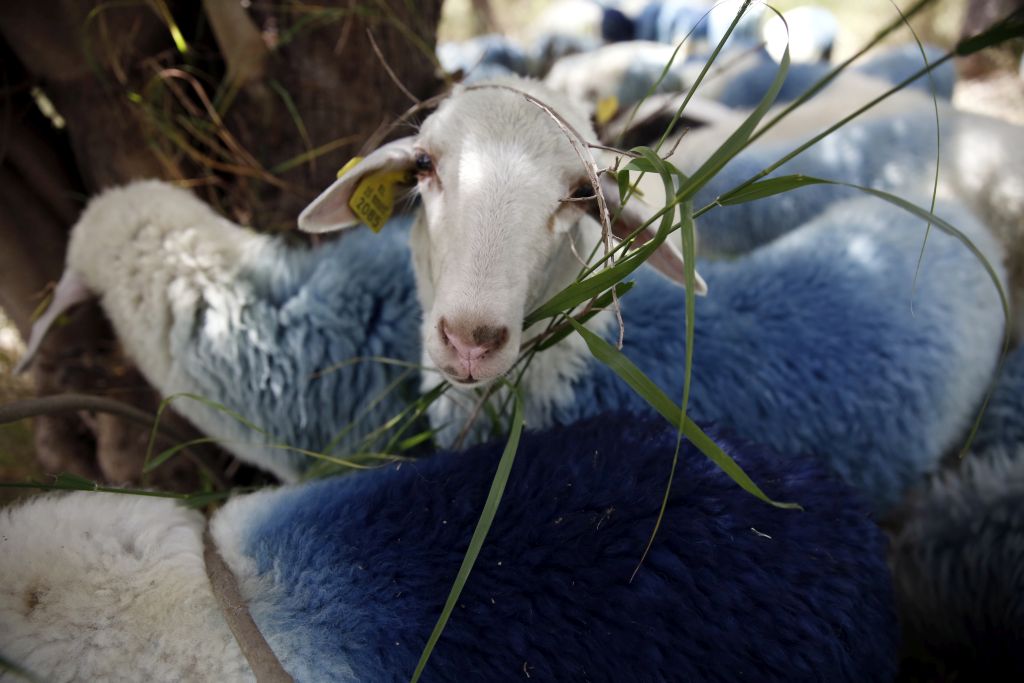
<point x="233" y="114"/>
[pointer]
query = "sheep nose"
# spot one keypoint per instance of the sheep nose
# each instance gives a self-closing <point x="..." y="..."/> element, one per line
<point x="473" y="342"/>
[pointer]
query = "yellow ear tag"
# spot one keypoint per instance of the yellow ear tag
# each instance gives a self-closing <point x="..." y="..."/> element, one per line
<point x="374" y="196"/>
<point x="607" y="107"/>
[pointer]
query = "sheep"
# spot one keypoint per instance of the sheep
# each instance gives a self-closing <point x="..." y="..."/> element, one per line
<point x="487" y="51"/>
<point x="625" y="71"/>
<point x="812" y="344"/>
<point x="809" y="33"/>
<point x="744" y="85"/>
<point x="206" y="307"/>
<point x="957" y="557"/>
<point x="890" y="147"/>
<point x="701" y="23"/>
<point x="345" y="577"/>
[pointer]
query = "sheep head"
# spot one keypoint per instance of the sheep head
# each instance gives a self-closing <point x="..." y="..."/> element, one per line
<point x="495" y="236"/>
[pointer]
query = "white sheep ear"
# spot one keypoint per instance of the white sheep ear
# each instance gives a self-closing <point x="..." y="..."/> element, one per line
<point x="332" y="211"/>
<point x="70" y="290"/>
<point x="667" y="259"/>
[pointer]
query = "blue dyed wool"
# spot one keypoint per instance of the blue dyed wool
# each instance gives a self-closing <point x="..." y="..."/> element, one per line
<point x="346" y="577"/>
<point x="744" y="90"/>
<point x="490" y="49"/>
<point x="817" y="344"/>
<point x="282" y="345"/>
<point x="897" y="63"/>
<point x="669" y="21"/>
<point x="892" y="153"/>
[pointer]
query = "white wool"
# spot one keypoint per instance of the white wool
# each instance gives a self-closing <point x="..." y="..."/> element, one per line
<point x="151" y="249"/>
<point x="101" y="586"/>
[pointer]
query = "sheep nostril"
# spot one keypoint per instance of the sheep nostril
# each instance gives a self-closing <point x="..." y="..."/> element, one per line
<point x="490" y="338"/>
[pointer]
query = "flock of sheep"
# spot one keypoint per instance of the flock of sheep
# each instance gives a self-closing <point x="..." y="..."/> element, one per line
<point x="834" y="360"/>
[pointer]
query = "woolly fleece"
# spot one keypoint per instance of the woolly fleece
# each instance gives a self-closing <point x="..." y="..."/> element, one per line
<point x="346" y="577"/>
<point x="206" y="307"/>
<point x="819" y="344"/>
<point x="100" y="586"/>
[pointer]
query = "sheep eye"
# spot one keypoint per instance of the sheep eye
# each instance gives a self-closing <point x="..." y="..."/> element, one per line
<point x="583" y="192"/>
<point x="424" y="164"/>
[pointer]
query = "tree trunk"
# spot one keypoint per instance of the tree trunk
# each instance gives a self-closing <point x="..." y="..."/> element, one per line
<point x="256" y="107"/>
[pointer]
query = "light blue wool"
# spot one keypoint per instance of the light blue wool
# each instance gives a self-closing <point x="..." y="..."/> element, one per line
<point x="346" y="577"/>
<point x="808" y="345"/>
<point x="891" y="153"/>
<point x="745" y="88"/>
<point x="266" y="348"/>
<point x="818" y="343"/>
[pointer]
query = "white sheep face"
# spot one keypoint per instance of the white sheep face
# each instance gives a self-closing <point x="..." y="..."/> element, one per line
<point x="495" y="223"/>
<point x="496" y="236"/>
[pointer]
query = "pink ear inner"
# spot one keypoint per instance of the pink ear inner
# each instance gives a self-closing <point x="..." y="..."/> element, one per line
<point x="331" y="211"/>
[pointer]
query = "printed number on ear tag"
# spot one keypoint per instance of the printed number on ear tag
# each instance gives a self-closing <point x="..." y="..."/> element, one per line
<point x="373" y="200"/>
<point x="374" y="196"/>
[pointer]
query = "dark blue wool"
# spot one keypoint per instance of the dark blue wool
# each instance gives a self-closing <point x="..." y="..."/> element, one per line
<point x="616" y="26"/>
<point x="353" y="572"/>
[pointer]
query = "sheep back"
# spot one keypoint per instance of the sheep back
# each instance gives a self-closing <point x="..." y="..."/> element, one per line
<point x="818" y="343"/>
<point x="101" y="586"/>
<point x="346" y="577"/>
<point x="291" y="345"/>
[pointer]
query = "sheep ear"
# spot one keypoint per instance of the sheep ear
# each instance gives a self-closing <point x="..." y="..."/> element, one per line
<point x="667" y="259"/>
<point x="70" y="290"/>
<point x="372" y="178"/>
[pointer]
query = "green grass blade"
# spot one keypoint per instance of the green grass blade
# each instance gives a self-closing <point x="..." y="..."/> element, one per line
<point x="213" y="405"/>
<point x="820" y="84"/>
<point x="689" y="259"/>
<point x="480" y="533"/>
<point x="167" y="454"/>
<point x="656" y="398"/>
<point x="1008" y="28"/>
<point x="703" y="72"/>
<point x="766" y="188"/>
<point x="593" y="286"/>
<point x="735" y="143"/>
<point x="689" y="240"/>
<point x="71" y="482"/>
<point x="415" y="440"/>
<point x="602" y="302"/>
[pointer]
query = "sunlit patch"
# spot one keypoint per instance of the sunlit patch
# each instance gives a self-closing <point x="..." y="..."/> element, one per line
<point x="864" y="250"/>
